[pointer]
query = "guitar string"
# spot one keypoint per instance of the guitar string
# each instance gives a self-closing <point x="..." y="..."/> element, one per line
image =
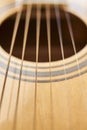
<point x="72" y="39"/>
<point x="27" y="21"/>
<point x="73" y="43"/>
<point x="10" y="54"/>
<point x="68" y="19"/>
<point x="38" y="23"/>
<point x="59" y="26"/>
<point x="12" y="89"/>
<point x="57" y="12"/>
<point x="49" y="53"/>
<point x="69" y="24"/>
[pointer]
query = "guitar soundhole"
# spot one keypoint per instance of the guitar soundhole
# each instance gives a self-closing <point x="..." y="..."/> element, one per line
<point x="79" y="31"/>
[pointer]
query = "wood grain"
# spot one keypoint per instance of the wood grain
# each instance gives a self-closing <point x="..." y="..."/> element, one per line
<point x="69" y="98"/>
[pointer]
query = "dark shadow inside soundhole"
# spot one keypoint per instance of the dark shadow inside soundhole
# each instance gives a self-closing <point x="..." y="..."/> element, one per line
<point x="79" y="31"/>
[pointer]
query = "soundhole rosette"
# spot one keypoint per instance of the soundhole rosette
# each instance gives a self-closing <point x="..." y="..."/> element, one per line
<point x="43" y="68"/>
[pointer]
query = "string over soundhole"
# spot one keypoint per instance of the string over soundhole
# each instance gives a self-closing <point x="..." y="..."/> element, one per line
<point x="78" y="27"/>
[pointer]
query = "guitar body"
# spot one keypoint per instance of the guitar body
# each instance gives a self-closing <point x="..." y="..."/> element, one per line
<point x="61" y="98"/>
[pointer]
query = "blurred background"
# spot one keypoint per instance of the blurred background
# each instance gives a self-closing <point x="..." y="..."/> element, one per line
<point x="82" y="2"/>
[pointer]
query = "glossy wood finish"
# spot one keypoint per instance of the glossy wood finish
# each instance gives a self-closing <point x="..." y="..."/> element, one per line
<point x="68" y="109"/>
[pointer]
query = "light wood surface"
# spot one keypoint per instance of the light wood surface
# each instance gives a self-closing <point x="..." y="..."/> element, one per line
<point x="69" y="100"/>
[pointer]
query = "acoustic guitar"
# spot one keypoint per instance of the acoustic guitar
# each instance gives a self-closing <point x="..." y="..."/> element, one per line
<point x="43" y="65"/>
